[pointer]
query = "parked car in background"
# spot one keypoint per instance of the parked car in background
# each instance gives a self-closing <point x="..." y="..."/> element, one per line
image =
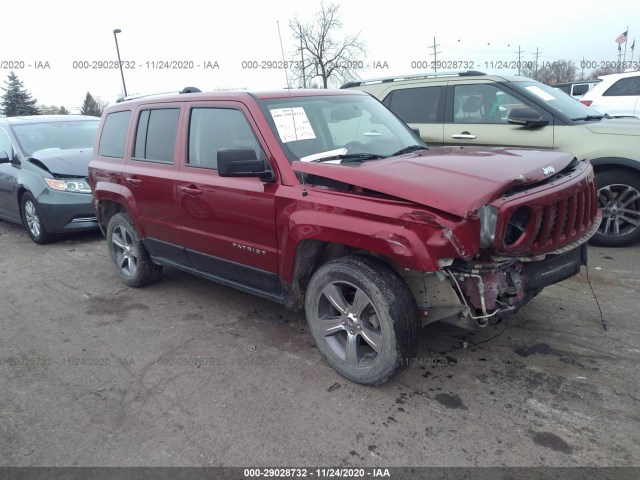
<point x="43" y="173"/>
<point x="472" y="108"/>
<point x="618" y="95"/>
<point x="325" y="200"/>
<point x="576" y="89"/>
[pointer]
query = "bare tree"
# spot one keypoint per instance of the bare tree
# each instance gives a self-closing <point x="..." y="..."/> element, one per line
<point x="598" y="72"/>
<point x="52" y="110"/>
<point x="558" y="71"/>
<point x="334" y="62"/>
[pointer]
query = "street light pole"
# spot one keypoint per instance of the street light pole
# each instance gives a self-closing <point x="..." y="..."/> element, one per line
<point x="115" y="35"/>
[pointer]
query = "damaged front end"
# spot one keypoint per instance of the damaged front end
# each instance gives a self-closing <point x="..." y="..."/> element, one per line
<point x="491" y="291"/>
<point x="530" y="238"/>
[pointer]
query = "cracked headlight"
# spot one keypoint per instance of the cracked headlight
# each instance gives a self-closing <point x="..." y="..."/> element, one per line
<point x="488" y="219"/>
<point x="76" y="185"/>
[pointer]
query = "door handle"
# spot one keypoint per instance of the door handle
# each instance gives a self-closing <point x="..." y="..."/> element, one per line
<point x="135" y="181"/>
<point x="191" y="190"/>
<point x="463" y="136"/>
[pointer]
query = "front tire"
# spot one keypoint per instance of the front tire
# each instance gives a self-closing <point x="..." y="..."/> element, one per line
<point x="363" y="318"/>
<point x="32" y="220"/>
<point x="134" y="264"/>
<point x="619" y="199"/>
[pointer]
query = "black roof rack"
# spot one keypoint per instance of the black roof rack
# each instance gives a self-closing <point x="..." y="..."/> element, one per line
<point x="414" y="76"/>
<point x="134" y="97"/>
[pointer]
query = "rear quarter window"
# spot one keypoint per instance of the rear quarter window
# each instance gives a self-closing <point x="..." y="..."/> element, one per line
<point x="114" y="134"/>
<point x="624" y="87"/>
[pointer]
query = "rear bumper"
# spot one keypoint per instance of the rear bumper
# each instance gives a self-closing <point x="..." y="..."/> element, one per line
<point x="67" y="212"/>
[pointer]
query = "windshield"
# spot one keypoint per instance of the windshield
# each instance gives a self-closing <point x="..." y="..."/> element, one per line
<point x="61" y="135"/>
<point x="557" y="100"/>
<point x="347" y="125"/>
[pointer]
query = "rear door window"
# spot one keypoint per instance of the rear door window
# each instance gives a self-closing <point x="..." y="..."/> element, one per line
<point x="416" y="105"/>
<point x="156" y="135"/>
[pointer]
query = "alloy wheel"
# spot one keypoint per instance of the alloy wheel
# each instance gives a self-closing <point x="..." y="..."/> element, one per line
<point x="348" y="321"/>
<point x="126" y="254"/>
<point x="620" y="206"/>
<point x="33" y="220"/>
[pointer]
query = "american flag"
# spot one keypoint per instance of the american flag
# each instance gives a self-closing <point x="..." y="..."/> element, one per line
<point x="621" y="38"/>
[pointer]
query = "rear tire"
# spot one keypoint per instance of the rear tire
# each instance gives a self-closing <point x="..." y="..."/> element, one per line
<point x="363" y="318"/>
<point x="132" y="260"/>
<point x="619" y="199"/>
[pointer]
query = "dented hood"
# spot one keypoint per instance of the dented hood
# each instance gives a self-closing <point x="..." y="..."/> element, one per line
<point x="73" y="162"/>
<point x="452" y="179"/>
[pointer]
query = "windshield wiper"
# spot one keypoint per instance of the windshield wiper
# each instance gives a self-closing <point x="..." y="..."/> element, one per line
<point x="410" y="148"/>
<point x="352" y="157"/>
<point x="589" y="117"/>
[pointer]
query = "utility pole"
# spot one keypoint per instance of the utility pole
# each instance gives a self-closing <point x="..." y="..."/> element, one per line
<point x="519" y="52"/>
<point x="435" y="55"/>
<point x="538" y="52"/>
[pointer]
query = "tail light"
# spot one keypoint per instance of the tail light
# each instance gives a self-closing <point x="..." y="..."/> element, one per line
<point x="586" y="102"/>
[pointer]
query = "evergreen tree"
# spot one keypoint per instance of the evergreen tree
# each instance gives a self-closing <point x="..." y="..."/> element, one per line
<point x="63" y="111"/>
<point x="91" y="106"/>
<point x="17" y="100"/>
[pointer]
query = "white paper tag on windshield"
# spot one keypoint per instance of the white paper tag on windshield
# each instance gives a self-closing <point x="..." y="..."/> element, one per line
<point x="540" y="93"/>
<point x="292" y="124"/>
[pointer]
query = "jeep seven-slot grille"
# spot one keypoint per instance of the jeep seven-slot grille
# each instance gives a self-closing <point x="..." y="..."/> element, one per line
<point x="553" y="225"/>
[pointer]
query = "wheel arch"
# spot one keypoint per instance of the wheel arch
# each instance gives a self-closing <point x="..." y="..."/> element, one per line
<point x="107" y="209"/>
<point x="310" y="255"/>
<point x="608" y="163"/>
<point x="21" y="191"/>
<point x="111" y="199"/>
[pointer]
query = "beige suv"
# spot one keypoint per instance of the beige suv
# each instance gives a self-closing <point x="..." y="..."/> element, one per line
<point x="472" y="108"/>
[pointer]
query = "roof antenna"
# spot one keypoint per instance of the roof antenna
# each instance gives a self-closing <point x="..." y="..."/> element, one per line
<point x="293" y="117"/>
<point x="284" y="61"/>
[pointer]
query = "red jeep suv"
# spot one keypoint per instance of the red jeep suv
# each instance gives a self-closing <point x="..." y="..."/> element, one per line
<point x="326" y="201"/>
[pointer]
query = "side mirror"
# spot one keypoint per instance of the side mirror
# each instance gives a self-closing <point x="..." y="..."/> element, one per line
<point x="526" y="117"/>
<point x="4" y="158"/>
<point x="242" y="162"/>
<point x="416" y="131"/>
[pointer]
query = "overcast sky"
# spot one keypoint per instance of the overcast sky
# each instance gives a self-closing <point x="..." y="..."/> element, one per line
<point x="61" y="32"/>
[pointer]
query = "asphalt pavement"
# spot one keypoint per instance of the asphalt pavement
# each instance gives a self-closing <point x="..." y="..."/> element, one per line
<point x="186" y="372"/>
